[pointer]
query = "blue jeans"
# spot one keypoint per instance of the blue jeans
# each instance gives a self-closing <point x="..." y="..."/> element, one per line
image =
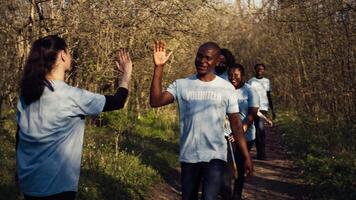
<point x="210" y="173"/>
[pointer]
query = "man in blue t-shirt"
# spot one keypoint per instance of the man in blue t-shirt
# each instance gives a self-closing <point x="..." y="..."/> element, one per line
<point x="204" y="100"/>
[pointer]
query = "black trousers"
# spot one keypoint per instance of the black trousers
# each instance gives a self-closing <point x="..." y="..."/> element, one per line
<point x="234" y="193"/>
<point x="60" y="196"/>
<point x="261" y="136"/>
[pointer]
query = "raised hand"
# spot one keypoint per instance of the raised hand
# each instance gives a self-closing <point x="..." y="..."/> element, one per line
<point x="124" y="63"/>
<point x="160" y="56"/>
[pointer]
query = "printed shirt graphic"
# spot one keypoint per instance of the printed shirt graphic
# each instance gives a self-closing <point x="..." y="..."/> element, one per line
<point x="261" y="86"/>
<point x="202" y="110"/>
<point x="51" y="138"/>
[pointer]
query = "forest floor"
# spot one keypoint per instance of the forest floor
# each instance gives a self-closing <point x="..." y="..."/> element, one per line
<point x="275" y="178"/>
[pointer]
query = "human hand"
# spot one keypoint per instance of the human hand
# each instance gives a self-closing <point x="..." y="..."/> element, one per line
<point x="231" y="138"/>
<point x="160" y="56"/>
<point x="124" y="63"/>
<point x="248" y="167"/>
<point x="269" y="122"/>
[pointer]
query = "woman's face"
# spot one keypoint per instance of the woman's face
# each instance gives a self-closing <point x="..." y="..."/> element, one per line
<point x="235" y="77"/>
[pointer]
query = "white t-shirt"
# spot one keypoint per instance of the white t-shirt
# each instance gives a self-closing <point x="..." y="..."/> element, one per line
<point x="202" y="109"/>
<point x="261" y="86"/>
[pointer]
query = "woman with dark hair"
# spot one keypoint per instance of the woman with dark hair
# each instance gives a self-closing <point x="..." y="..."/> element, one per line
<point x="50" y="117"/>
<point x="248" y="102"/>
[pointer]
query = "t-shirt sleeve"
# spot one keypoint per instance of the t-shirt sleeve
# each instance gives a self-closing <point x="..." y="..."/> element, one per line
<point x="254" y="100"/>
<point x="269" y="89"/>
<point x="232" y="105"/>
<point x="86" y="103"/>
<point x="172" y="88"/>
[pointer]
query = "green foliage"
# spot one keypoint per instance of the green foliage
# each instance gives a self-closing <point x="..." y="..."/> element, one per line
<point x="325" y="151"/>
<point x="122" y="159"/>
<point x="7" y="158"/>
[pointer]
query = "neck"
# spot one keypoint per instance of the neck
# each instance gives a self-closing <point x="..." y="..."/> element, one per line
<point x="56" y="74"/>
<point x="259" y="77"/>
<point x="240" y="85"/>
<point x="206" y="77"/>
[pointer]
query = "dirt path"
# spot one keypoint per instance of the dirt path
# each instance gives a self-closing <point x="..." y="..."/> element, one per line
<point x="275" y="179"/>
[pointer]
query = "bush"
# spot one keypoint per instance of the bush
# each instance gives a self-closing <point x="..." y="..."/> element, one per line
<point x="325" y="151"/>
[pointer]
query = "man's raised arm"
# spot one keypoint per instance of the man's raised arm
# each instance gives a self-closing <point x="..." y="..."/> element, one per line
<point x="160" y="57"/>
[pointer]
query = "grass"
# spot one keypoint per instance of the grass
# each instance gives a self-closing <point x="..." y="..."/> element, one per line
<point x="121" y="159"/>
<point x="325" y="151"/>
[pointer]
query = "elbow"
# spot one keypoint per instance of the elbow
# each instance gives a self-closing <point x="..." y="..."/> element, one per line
<point x="154" y="105"/>
<point x="121" y="106"/>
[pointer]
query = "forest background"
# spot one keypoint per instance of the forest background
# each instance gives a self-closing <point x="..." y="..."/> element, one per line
<point x="308" y="47"/>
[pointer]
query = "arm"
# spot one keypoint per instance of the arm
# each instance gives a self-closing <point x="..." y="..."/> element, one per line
<point x="124" y="65"/>
<point x="252" y="113"/>
<point x="271" y="104"/>
<point x="261" y="115"/>
<point x="238" y="134"/>
<point x="157" y="97"/>
<point x="116" y="101"/>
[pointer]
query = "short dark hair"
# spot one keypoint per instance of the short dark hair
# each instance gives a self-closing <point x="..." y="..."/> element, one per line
<point x="212" y="45"/>
<point x="259" y="64"/>
<point x="239" y="67"/>
<point x="230" y="59"/>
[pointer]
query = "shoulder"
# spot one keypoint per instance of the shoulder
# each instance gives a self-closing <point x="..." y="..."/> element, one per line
<point x="266" y="79"/>
<point x="251" y="80"/>
<point x="185" y="80"/>
<point x="224" y="83"/>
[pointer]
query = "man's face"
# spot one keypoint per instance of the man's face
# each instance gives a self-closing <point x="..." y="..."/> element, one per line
<point x="206" y="60"/>
<point x="221" y="65"/>
<point x="259" y="71"/>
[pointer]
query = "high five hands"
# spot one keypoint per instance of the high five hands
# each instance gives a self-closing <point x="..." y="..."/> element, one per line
<point x="124" y="65"/>
<point x="160" y="56"/>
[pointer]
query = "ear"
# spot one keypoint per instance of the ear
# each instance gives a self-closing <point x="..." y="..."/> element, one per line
<point x="63" y="55"/>
<point x="221" y="58"/>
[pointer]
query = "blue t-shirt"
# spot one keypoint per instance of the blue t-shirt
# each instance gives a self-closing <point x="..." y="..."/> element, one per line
<point x="247" y="97"/>
<point x="202" y="109"/>
<point x="51" y="138"/>
<point x="224" y="75"/>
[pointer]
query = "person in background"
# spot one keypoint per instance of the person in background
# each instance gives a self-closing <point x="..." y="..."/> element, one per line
<point x="262" y="86"/>
<point x="226" y="60"/>
<point x="248" y="102"/>
<point x="51" y="119"/>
